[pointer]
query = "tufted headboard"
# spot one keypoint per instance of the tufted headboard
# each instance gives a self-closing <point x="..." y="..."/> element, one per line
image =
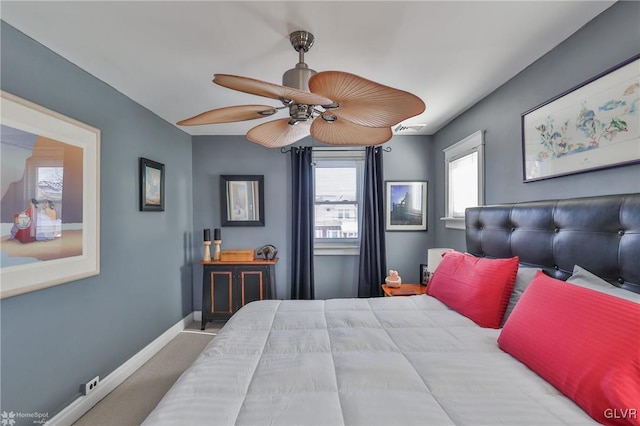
<point x="601" y="234"/>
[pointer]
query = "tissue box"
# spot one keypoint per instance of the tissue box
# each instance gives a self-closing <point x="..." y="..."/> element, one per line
<point x="236" y="255"/>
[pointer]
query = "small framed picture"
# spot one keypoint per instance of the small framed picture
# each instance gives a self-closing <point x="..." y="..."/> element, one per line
<point x="424" y="274"/>
<point x="151" y="186"/>
<point x="242" y="200"/>
<point x="406" y="206"/>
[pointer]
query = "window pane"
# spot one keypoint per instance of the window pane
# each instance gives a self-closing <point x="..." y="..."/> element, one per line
<point x="49" y="183"/>
<point x="463" y="184"/>
<point x="336" y="195"/>
<point x="335" y="184"/>
<point x="49" y="196"/>
<point x="49" y="188"/>
<point x="336" y="221"/>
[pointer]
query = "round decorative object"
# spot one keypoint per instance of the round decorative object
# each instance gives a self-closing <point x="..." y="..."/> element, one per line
<point x="24" y="221"/>
<point x="393" y="280"/>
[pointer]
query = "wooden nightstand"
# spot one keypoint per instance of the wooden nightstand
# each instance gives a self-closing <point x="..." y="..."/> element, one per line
<point x="403" y="290"/>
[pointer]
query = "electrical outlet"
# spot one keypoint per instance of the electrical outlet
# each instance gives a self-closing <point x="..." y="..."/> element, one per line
<point x="90" y="386"/>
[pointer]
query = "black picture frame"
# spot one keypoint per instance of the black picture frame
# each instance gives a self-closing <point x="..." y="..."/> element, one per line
<point x="151" y="185"/>
<point x="424" y="274"/>
<point x="242" y="200"/>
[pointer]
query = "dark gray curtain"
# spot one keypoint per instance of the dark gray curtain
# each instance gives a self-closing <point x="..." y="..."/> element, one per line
<point x="303" y="226"/>
<point x="373" y="264"/>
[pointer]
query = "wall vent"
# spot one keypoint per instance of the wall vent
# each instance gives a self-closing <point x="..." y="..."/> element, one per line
<point x="400" y="128"/>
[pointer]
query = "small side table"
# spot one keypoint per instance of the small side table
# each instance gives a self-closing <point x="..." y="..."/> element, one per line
<point x="403" y="290"/>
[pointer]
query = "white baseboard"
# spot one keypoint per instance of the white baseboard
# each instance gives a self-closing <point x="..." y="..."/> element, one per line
<point x="197" y="315"/>
<point x="81" y="405"/>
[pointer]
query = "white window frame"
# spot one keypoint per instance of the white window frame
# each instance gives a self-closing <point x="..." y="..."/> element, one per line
<point x="469" y="145"/>
<point x="351" y="247"/>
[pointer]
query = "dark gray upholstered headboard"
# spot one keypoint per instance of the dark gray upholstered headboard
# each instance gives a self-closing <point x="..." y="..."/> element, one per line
<point x="601" y="234"/>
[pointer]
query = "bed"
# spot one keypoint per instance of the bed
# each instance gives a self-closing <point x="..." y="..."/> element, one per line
<point x="568" y="352"/>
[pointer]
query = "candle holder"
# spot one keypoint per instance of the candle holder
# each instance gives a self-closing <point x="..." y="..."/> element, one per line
<point x="216" y="249"/>
<point x="207" y="251"/>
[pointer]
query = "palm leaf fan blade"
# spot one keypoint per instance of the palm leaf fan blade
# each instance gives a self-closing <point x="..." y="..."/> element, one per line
<point x="269" y="90"/>
<point x="365" y="102"/>
<point x="229" y="115"/>
<point x="278" y="133"/>
<point x="343" y="132"/>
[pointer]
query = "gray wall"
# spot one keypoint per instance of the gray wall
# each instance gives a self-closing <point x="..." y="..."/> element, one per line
<point x="609" y="39"/>
<point x="235" y="155"/>
<point x="336" y="276"/>
<point x="55" y="339"/>
<point x="409" y="160"/>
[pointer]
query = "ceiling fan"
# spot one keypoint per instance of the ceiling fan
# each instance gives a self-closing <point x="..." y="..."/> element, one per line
<point x="335" y="107"/>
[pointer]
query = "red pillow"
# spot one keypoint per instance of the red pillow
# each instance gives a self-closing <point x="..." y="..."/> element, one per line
<point x="475" y="287"/>
<point x="585" y="343"/>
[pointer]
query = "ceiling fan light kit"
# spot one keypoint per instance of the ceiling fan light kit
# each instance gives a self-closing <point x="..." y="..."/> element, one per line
<point x="336" y="108"/>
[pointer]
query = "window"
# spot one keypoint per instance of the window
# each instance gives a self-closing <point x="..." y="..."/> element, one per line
<point x="464" y="178"/>
<point x="338" y="183"/>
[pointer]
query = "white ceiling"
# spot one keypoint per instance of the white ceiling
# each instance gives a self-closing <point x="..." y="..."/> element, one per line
<point x="163" y="54"/>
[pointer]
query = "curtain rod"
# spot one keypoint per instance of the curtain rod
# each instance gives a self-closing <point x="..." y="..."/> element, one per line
<point x="319" y="148"/>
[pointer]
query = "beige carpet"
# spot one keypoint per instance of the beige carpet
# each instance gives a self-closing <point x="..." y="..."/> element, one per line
<point x="131" y="402"/>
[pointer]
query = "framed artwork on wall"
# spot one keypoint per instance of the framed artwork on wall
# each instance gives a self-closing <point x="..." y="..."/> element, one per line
<point x="151" y="186"/>
<point x="406" y="206"/>
<point x="595" y="125"/>
<point x="242" y="200"/>
<point x="424" y="274"/>
<point x="50" y="201"/>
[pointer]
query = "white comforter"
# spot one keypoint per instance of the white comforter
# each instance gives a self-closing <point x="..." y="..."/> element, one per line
<point x="379" y="361"/>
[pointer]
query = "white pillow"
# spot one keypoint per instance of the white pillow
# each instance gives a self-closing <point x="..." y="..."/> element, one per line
<point x="583" y="278"/>
<point x="523" y="278"/>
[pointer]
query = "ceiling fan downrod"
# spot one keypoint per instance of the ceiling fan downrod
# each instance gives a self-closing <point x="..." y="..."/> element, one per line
<point x="298" y="77"/>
